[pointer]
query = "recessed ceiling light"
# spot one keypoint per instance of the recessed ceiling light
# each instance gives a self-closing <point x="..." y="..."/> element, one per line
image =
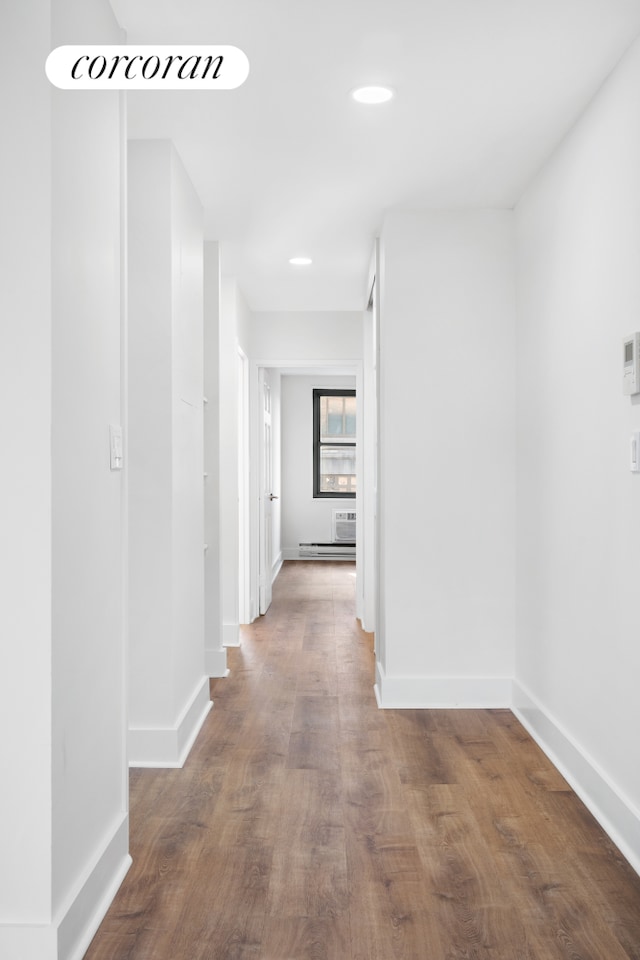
<point x="300" y="261"/>
<point x="372" y="94"/>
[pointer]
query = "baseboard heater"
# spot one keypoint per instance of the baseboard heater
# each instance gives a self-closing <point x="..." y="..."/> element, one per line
<point x="329" y="551"/>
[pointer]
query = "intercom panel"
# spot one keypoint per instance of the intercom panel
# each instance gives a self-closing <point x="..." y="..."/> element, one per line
<point x="631" y="364"/>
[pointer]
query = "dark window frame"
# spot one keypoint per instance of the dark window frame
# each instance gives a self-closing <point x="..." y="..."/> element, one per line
<point x="319" y="494"/>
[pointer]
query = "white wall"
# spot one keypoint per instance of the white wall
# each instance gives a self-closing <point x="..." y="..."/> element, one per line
<point x="578" y="659"/>
<point x="234" y="321"/>
<point x="447" y="446"/>
<point x="243" y="320"/>
<point x="215" y="654"/>
<point x="304" y="519"/>
<point x="187" y="432"/>
<point x="169" y="692"/>
<point x="63" y="805"/>
<point x="25" y="480"/>
<point x="277" y="338"/>
<point x="367" y="559"/>
<point x="87" y="598"/>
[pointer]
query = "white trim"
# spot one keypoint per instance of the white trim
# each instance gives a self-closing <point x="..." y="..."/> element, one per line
<point x="425" y="693"/>
<point x="215" y="663"/>
<point x="84" y="914"/>
<point x="293" y="553"/>
<point x="277" y="567"/>
<point x="320" y="366"/>
<point x="230" y="634"/>
<point x="69" y="935"/>
<point x="614" y="812"/>
<point x="244" y="489"/>
<point x="312" y="368"/>
<point x="170" y="746"/>
<point x="25" y="941"/>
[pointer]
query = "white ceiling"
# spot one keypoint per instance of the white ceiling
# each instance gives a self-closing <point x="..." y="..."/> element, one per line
<point x="288" y="164"/>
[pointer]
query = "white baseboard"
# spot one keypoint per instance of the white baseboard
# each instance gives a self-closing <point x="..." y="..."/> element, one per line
<point x="230" y="634"/>
<point x="293" y="553"/>
<point x="170" y="746"/>
<point x="69" y="936"/>
<point x="277" y="566"/>
<point x="429" y="693"/>
<point x="215" y="663"/>
<point x="26" y="941"/>
<point x="615" y="814"/>
<point x="365" y="626"/>
<point x="85" y="913"/>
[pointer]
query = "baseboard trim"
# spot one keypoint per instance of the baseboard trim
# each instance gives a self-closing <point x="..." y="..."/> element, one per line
<point x="290" y="553"/>
<point x="215" y="663"/>
<point x="25" y="941"/>
<point x="84" y="914"/>
<point x="277" y="567"/>
<point x="230" y="634"/>
<point x="615" y="814"/>
<point x="170" y="746"/>
<point x="430" y="693"/>
<point x="69" y="935"/>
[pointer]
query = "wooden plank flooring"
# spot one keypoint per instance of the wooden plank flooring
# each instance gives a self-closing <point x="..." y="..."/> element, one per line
<point x="309" y="825"/>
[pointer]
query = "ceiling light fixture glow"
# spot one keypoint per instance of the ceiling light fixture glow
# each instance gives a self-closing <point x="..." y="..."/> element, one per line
<point x="300" y="261"/>
<point x="372" y="94"/>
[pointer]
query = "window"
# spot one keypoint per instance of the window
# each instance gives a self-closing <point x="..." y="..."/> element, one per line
<point x="334" y="443"/>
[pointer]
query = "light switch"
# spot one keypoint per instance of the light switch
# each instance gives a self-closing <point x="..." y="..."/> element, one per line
<point x="115" y="446"/>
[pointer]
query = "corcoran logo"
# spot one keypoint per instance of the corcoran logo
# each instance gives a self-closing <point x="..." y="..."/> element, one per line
<point x="146" y="67"/>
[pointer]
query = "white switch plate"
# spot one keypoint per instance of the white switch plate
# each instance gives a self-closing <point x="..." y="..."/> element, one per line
<point x="115" y="446"/>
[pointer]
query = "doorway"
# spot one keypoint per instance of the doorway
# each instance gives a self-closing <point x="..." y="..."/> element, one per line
<point x="278" y="503"/>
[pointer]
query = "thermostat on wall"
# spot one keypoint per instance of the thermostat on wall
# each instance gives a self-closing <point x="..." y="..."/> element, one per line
<point x="631" y="364"/>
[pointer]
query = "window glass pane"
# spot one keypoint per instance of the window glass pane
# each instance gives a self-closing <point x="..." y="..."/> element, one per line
<point x="337" y="418"/>
<point x="350" y="416"/>
<point x="338" y="469"/>
<point x="334" y="424"/>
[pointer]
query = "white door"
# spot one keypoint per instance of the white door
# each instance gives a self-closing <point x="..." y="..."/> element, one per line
<point x="267" y="495"/>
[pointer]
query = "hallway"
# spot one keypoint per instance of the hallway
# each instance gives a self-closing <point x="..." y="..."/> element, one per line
<point x="309" y="825"/>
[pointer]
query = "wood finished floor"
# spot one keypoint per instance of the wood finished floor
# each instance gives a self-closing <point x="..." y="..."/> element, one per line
<point x="309" y="825"/>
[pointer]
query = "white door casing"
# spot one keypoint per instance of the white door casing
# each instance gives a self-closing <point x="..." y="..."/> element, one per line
<point x="266" y="493"/>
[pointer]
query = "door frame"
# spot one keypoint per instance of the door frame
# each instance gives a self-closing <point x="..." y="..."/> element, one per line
<point x="244" y="460"/>
<point x="316" y="367"/>
<point x="265" y="472"/>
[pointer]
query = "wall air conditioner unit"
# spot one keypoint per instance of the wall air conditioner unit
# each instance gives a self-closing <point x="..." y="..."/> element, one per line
<point x="343" y="526"/>
<point x="343" y="539"/>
